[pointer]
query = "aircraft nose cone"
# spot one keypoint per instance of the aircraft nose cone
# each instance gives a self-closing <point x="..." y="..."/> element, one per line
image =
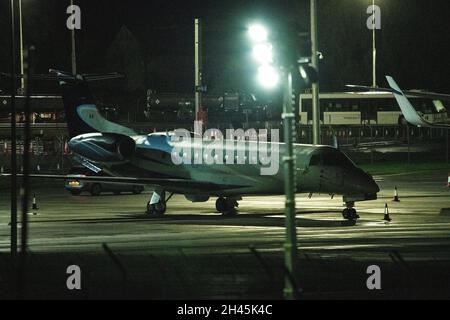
<point x="364" y="182"/>
<point x="374" y="186"/>
<point x="370" y="185"/>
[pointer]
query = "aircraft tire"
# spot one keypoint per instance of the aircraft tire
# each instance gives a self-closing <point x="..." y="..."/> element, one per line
<point x="221" y="205"/>
<point x="157" y="208"/>
<point x="350" y="214"/>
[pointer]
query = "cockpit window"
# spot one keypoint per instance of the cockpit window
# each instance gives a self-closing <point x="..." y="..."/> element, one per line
<point x="336" y="159"/>
<point x="315" y="160"/>
<point x="330" y="158"/>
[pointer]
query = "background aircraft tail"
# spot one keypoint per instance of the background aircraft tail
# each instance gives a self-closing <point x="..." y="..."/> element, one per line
<point x="407" y="108"/>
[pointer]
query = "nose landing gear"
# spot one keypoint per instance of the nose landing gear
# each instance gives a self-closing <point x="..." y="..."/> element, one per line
<point x="349" y="213"/>
<point x="158" y="208"/>
<point x="157" y="204"/>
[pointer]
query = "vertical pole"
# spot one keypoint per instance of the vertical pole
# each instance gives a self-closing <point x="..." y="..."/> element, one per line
<point x="22" y="80"/>
<point x="374" y="53"/>
<point x="63" y="145"/>
<point x="447" y="146"/>
<point x="290" y="246"/>
<point x="409" y="143"/>
<point x="73" y="54"/>
<point x="13" y="140"/>
<point x="26" y="167"/>
<point x="371" y="147"/>
<point x="315" y="64"/>
<point x="26" y="155"/>
<point x="198" y="68"/>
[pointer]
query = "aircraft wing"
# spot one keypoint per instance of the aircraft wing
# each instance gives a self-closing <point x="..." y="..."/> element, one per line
<point x="169" y="184"/>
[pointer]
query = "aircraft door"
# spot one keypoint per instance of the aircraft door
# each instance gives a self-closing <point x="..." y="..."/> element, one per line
<point x="315" y="173"/>
<point x="335" y="167"/>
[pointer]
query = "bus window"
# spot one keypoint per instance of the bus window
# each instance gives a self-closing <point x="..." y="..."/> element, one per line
<point x="325" y="106"/>
<point x="307" y="105"/>
<point x="439" y="106"/>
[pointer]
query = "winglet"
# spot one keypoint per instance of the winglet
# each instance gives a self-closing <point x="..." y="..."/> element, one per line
<point x="407" y="108"/>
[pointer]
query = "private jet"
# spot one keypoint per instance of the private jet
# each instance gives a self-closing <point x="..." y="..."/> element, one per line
<point x="127" y="157"/>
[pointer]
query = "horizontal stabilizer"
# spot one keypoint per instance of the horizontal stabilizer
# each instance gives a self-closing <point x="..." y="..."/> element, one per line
<point x="54" y="75"/>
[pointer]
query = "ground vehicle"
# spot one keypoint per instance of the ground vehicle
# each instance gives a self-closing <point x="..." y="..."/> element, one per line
<point x="371" y="108"/>
<point x="76" y="187"/>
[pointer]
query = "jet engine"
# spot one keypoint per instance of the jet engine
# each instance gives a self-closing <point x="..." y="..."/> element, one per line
<point x="103" y="147"/>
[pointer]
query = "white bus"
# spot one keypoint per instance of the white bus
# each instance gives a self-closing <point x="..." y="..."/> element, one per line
<point x="360" y="108"/>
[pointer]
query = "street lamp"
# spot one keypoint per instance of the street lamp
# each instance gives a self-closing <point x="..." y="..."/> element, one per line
<point x="269" y="77"/>
<point x="263" y="53"/>
<point x="258" y="33"/>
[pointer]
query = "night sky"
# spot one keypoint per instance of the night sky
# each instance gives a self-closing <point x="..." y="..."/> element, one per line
<point x="152" y="41"/>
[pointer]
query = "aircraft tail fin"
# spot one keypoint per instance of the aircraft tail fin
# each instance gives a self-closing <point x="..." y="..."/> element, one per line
<point x="407" y="108"/>
<point x="82" y="114"/>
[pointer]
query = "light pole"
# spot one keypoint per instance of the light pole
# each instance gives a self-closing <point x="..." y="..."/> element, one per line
<point x="290" y="245"/>
<point x="315" y="65"/>
<point x="374" y="47"/>
<point x="269" y="78"/>
<point x="198" y="70"/>
<point x="73" y="51"/>
<point x="22" y="78"/>
<point x="13" y="139"/>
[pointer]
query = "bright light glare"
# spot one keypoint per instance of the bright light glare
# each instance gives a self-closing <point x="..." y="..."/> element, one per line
<point x="258" y="33"/>
<point x="268" y="77"/>
<point x="263" y="53"/>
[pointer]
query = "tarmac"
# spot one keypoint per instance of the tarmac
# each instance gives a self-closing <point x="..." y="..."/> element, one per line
<point x="192" y="252"/>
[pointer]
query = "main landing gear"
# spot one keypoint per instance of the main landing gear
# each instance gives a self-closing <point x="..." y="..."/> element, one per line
<point x="349" y="213"/>
<point x="158" y="203"/>
<point x="227" y="206"/>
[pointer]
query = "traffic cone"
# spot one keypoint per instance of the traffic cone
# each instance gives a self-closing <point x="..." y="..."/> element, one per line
<point x="387" y="218"/>
<point x="396" y="198"/>
<point x="35" y="206"/>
